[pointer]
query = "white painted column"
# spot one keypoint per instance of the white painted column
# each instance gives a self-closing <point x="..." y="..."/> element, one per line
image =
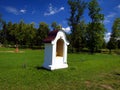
<point x="65" y="53"/>
<point x="53" y="53"/>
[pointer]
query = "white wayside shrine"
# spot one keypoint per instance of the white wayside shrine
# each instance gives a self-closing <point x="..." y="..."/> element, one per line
<point x="56" y="50"/>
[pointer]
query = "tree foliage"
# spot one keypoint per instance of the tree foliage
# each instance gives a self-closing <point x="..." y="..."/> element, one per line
<point x="1" y="22"/>
<point x="76" y="23"/>
<point x="114" y="42"/>
<point x="95" y="30"/>
<point x="23" y="34"/>
<point x="42" y="33"/>
<point x="55" y="26"/>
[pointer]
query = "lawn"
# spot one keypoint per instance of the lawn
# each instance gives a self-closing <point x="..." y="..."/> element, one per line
<point x="22" y="71"/>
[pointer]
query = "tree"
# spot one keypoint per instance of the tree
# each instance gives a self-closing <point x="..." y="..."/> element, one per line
<point x="75" y="21"/>
<point x="42" y="33"/>
<point x="30" y="34"/>
<point x="13" y="33"/>
<point x="55" y="26"/>
<point x="20" y="34"/>
<point x="115" y="35"/>
<point x="119" y="44"/>
<point x="26" y="34"/>
<point x="1" y="22"/>
<point x="2" y="33"/>
<point x="7" y="27"/>
<point x="95" y="30"/>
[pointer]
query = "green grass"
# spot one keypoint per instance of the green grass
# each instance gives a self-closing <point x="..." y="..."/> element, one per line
<point x="21" y="71"/>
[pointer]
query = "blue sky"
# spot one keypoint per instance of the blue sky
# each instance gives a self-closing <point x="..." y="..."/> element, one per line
<point x="53" y="10"/>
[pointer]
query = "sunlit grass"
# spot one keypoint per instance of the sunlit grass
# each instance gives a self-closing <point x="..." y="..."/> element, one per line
<point x="22" y="71"/>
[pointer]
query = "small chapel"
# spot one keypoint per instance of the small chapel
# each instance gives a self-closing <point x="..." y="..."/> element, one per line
<point x="55" y="50"/>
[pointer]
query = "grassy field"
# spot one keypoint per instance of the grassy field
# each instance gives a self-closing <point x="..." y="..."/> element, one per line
<point x="22" y="71"/>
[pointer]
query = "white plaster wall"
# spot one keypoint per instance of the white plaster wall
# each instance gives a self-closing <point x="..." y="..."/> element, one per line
<point x="65" y="54"/>
<point x="48" y="55"/>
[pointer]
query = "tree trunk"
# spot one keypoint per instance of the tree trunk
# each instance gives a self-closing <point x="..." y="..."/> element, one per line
<point x="110" y="51"/>
<point x="16" y="50"/>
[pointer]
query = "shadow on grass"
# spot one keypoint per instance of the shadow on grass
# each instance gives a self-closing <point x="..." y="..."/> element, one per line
<point x="41" y="68"/>
<point x="116" y="73"/>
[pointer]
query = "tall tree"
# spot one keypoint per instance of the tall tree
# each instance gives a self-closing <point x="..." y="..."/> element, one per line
<point x="27" y="33"/>
<point x="21" y="33"/>
<point x="3" y="38"/>
<point x="42" y="33"/>
<point x="1" y="22"/>
<point x="30" y="34"/>
<point x="12" y="33"/>
<point x="7" y="27"/>
<point x="115" y="35"/>
<point x="2" y="33"/>
<point x="95" y="30"/>
<point x="75" y="21"/>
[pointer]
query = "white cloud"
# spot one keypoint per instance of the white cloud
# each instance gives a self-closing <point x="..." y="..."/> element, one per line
<point x="53" y="10"/>
<point x="22" y="11"/>
<point x="67" y="29"/>
<point x="62" y="8"/>
<point x="11" y="10"/>
<point x="107" y="36"/>
<point x="106" y="21"/>
<point x="14" y="10"/>
<point x="108" y="17"/>
<point x="111" y="15"/>
<point x="118" y="6"/>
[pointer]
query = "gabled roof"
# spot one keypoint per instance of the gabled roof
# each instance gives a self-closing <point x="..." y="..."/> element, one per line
<point x="51" y="36"/>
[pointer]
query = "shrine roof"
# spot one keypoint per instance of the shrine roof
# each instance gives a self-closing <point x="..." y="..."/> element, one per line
<point x="51" y="36"/>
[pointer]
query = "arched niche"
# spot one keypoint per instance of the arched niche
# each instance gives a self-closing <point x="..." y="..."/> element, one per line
<point x="59" y="48"/>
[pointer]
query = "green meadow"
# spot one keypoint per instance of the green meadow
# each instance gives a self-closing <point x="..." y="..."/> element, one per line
<point x="23" y="71"/>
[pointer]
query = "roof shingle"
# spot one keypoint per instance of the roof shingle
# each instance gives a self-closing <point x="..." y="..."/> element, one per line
<point x="51" y="36"/>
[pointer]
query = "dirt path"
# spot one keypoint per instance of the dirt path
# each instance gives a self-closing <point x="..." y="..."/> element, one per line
<point x="12" y="51"/>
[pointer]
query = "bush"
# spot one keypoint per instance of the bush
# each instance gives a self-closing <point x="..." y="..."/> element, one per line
<point x="37" y="47"/>
<point x="117" y="51"/>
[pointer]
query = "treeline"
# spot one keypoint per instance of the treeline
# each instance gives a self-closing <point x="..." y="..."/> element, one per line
<point x="83" y="36"/>
<point x="25" y="35"/>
